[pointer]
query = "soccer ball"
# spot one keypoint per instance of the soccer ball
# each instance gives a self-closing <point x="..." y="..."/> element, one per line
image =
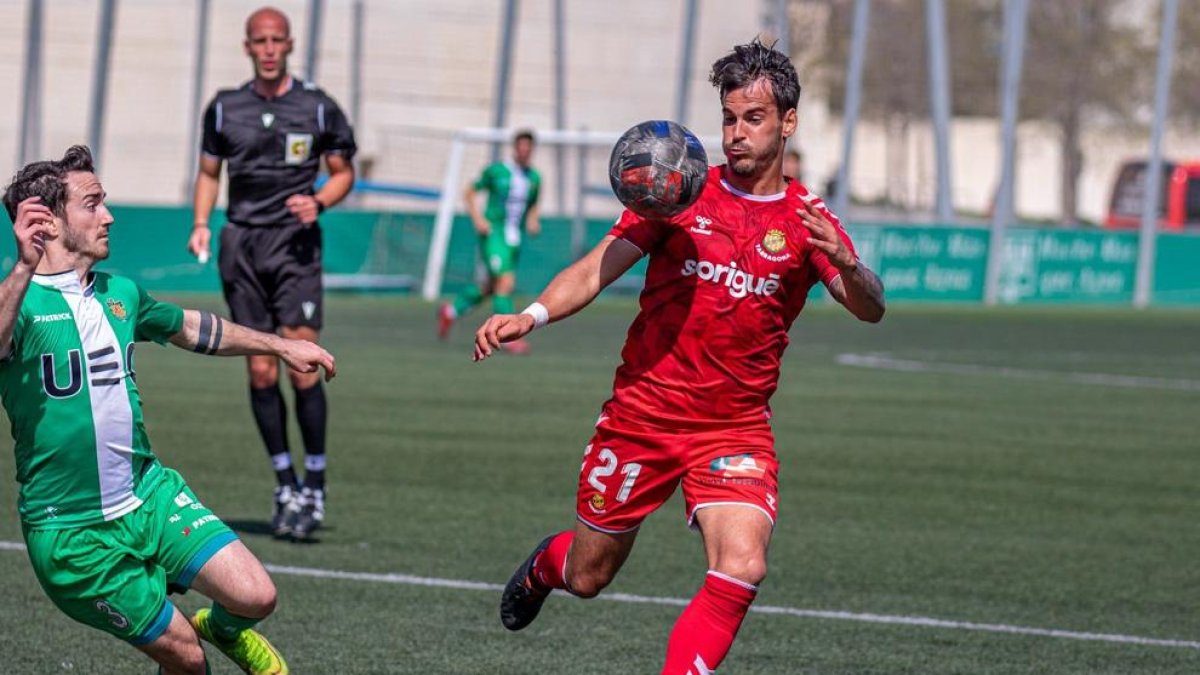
<point x="657" y="169"/>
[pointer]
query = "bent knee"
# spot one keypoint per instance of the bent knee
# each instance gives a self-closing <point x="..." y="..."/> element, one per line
<point x="261" y="603"/>
<point x="588" y="582"/>
<point x="254" y="600"/>
<point x="263" y="375"/>
<point x="746" y="569"/>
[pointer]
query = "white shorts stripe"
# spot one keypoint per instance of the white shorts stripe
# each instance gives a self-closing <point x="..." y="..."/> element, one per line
<point x="692" y="516"/>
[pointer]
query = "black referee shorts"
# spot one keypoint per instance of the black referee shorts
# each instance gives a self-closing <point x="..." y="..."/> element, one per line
<point x="272" y="275"/>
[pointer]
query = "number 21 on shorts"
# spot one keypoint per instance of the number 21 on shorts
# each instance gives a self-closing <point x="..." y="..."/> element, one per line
<point x="606" y="467"/>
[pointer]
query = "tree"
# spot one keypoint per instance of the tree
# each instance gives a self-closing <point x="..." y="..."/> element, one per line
<point x="1084" y="61"/>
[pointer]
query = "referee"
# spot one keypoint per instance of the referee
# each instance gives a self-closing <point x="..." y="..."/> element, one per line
<point x="273" y="131"/>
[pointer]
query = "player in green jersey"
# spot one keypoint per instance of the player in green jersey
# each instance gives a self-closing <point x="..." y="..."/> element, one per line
<point x="512" y="210"/>
<point x="108" y="528"/>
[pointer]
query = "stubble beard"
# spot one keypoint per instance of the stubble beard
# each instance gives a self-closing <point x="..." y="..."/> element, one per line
<point x="76" y="243"/>
<point x="757" y="163"/>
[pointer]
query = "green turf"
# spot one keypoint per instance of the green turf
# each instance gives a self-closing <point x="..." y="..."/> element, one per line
<point x="977" y="498"/>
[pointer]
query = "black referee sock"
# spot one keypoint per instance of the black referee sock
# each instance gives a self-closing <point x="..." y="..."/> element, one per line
<point x="270" y="415"/>
<point x="311" y="412"/>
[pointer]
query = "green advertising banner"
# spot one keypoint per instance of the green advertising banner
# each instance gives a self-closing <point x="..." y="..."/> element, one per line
<point x="1177" y="270"/>
<point x="388" y="251"/>
<point x="1076" y="266"/>
<point x="925" y="263"/>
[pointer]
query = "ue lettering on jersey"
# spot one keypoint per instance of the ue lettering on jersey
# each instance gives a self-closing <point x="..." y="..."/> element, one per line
<point x="726" y="279"/>
<point x="68" y="386"/>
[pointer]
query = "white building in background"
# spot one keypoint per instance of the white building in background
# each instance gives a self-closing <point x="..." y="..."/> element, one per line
<point x="429" y="69"/>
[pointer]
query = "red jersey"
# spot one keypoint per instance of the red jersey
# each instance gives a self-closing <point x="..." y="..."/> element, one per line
<point x="726" y="279"/>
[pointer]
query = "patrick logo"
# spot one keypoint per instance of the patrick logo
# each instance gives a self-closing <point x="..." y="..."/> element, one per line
<point x="736" y="466"/>
<point x="117" y="308"/>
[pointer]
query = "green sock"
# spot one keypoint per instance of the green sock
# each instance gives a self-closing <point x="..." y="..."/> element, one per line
<point x="502" y="304"/>
<point x="467" y="299"/>
<point x="226" y="626"/>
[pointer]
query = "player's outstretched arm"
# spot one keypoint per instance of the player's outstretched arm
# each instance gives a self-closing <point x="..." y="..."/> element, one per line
<point x="570" y="291"/>
<point x="30" y="228"/>
<point x="857" y="288"/>
<point x="206" y="333"/>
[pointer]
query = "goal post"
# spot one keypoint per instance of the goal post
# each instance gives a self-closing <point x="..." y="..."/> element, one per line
<point x="581" y="140"/>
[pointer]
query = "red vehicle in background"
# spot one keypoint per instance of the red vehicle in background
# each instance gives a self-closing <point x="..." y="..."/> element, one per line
<point x="1180" y="204"/>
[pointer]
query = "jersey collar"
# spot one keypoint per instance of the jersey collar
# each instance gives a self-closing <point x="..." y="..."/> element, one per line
<point x="66" y="282"/>
<point x="292" y="81"/>
<point x="747" y="196"/>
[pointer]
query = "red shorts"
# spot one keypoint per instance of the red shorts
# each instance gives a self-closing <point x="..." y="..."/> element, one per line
<point x="629" y="470"/>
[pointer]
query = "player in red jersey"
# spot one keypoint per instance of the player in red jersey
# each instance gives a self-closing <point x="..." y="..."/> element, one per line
<point x="726" y="279"/>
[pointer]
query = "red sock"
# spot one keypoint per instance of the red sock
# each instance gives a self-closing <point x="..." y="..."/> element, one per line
<point x="548" y="567"/>
<point x="705" y="631"/>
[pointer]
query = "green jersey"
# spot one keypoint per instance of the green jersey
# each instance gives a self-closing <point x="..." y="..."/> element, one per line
<point x="68" y="387"/>
<point x="512" y="191"/>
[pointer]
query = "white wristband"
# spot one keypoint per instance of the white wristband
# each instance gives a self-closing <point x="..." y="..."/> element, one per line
<point x="541" y="316"/>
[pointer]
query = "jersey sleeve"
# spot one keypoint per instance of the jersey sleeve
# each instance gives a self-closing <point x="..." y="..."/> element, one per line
<point x="485" y="180"/>
<point x="14" y="343"/>
<point x="643" y="233"/>
<point x="211" y="142"/>
<point x="825" y="269"/>
<point x="337" y="136"/>
<point x="156" y="320"/>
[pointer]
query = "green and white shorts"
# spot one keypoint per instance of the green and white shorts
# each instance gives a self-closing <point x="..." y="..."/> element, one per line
<point x="114" y="575"/>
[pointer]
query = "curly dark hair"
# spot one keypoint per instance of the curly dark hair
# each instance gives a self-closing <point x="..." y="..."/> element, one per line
<point x="752" y="61"/>
<point x="48" y="180"/>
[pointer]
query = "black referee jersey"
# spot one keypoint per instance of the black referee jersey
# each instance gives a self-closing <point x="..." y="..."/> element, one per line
<point x="273" y="147"/>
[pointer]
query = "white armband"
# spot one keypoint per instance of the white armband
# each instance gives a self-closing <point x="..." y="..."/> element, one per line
<point x="541" y="316"/>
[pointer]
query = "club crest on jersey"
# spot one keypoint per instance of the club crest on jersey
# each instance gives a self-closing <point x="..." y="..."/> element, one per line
<point x="597" y="503"/>
<point x="117" y="308"/>
<point x="268" y="119"/>
<point x="772" y="243"/>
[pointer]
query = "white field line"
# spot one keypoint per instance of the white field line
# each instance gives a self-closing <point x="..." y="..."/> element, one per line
<point x="885" y="362"/>
<point x="458" y="584"/>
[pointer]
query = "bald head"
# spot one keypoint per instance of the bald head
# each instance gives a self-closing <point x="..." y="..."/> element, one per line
<point x="268" y="44"/>
<point x="265" y="17"/>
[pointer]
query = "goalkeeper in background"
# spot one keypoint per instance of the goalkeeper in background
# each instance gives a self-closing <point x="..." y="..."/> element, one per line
<point x="512" y="209"/>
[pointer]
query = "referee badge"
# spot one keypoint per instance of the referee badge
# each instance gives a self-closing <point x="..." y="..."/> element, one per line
<point x="297" y="148"/>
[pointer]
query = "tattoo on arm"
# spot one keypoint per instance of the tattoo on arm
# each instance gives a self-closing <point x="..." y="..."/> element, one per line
<point x="209" y="339"/>
<point x="871" y="284"/>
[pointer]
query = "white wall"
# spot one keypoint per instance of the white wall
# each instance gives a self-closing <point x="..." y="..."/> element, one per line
<point x="429" y="69"/>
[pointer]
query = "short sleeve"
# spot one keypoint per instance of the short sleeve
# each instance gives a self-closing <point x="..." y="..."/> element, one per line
<point x="337" y="136"/>
<point x="14" y="343"/>
<point x="485" y="180"/>
<point x="643" y="233"/>
<point x="825" y="269"/>
<point x="156" y="320"/>
<point x="211" y="142"/>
